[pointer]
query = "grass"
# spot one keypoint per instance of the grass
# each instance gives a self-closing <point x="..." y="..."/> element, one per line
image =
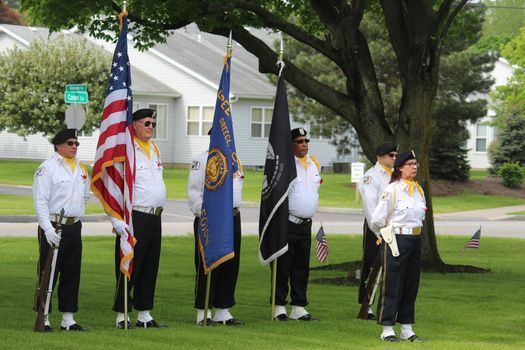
<point x="478" y="174"/>
<point x="23" y="205"/>
<point x="336" y="190"/>
<point x="454" y="311"/>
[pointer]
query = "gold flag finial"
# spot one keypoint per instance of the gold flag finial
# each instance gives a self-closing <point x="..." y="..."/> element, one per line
<point x="122" y="13"/>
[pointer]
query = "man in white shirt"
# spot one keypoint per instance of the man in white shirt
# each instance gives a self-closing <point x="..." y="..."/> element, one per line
<point x="293" y="267"/>
<point x="149" y="198"/>
<point x="61" y="182"/>
<point x="224" y="277"/>
<point x="375" y="181"/>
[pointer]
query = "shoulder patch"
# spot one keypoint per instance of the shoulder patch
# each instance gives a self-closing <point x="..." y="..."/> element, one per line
<point x="385" y="196"/>
<point x="195" y="165"/>
<point x="367" y="180"/>
<point x="40" y="171"/>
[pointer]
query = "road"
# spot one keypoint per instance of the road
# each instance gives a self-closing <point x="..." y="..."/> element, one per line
<point x="178" y="220"/>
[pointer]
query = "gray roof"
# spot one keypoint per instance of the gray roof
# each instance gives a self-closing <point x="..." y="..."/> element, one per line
<point x="203" y="54"/>
<point x="143" y="84"/>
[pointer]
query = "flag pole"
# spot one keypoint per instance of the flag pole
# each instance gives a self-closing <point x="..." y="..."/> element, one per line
<point x="274" y="282"/>
<point x="280" y="64"/>
<point x="124" y="5"/>
<point x="207" y="299"/>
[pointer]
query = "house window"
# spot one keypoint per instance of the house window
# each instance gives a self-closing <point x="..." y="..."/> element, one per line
<point x="162" y="120"/>
<point x="261" y="121"/>
<point x="481" y="138"/>
<point x="199" y="120"/>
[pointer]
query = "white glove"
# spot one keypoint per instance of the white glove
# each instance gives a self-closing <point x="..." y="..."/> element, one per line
<point x="52" y="237"/>
<point x="120" y="227"/>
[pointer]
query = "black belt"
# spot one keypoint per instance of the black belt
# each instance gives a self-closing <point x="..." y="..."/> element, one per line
<point x="235" y="211"/>
<point x="298" y="220"/>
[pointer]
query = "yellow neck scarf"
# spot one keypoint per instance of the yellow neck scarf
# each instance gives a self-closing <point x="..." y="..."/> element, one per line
<point x="145" y="145"/>
<point x="387" y="169"/>
<point x="411" y="185"/>
<point x="304" y="162"/>
<point x="71" y="162"/>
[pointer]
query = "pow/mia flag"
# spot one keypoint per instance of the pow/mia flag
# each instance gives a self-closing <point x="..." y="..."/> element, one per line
<point x="216" y="220"/>
<point x="279" y="174"/>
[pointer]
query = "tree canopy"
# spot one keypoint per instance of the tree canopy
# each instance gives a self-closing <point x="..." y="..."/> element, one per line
<point x="33" y="81"/>
<point x="333" y="28"/>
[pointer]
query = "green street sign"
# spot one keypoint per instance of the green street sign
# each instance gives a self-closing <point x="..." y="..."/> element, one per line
<point x="76" y="97"/>
<point x="76" y="87"/>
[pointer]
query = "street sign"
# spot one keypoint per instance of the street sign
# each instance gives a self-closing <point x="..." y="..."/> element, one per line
<point x="76" y="87"/>
<point x="76" y="97"/>
<point x="75" y="116"/>
<point x="358" y="170"/>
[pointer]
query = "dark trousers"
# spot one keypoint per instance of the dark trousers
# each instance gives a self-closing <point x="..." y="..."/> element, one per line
<point x="370" y="251"/>
<point x="293" y="267"/>
<point x="148" y="233"/>
<point x="223" y="278"/>
<point x="68" y="264"/>
<point x="400" y="281"/>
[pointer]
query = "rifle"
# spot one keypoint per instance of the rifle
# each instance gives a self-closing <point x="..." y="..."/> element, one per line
<point x="370" y="289"/>
<point x="45" y="287"/>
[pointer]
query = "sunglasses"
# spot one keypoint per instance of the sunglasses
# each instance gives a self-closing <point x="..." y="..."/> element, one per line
<point x="71" y="143"/>
<point x="412" y="165"/>
<point x="148" y="123"/>
<point x="392" y="155"/>
<point x="300" y="142"/>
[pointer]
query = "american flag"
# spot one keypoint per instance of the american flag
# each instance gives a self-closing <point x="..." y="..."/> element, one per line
<point x="321" y="246"/>
<point x="114" y="167"/>
<point x="474" y="241"/>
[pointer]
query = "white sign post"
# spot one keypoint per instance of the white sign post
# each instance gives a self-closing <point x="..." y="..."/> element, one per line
<point x="357" y="173"/>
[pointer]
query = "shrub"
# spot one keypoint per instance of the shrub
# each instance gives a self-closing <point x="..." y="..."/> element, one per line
<point x="511" y="174"/>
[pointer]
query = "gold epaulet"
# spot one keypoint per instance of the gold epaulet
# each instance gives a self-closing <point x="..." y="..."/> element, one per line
<point x="84" y="169"/>
<point x="156" y="149"/>
<point x="316" y="162"/>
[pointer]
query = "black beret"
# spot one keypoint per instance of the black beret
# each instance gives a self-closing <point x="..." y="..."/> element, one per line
<point x="64" y="135"/>
<point x="386" y="148"/>
<point x="403" y="157"/>
<point x="144" y="113"/>
<point x="298" y="132"/>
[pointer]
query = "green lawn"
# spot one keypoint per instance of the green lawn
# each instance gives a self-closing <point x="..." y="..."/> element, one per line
<point x="478" y="174"/>
<point x="454" y="311"/>
<point x="336" y="190"/>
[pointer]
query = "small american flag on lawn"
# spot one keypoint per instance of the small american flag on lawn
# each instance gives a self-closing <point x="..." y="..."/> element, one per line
<point x="321" y="247"/>
<point x="474" y="241"/>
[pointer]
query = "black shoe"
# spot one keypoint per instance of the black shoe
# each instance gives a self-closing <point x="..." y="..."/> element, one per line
<point x="120" y="325"/>
<point x="281" y="317"/>
<point x="151" y="324"/>
<point x="231" y="322"/>
<point x="306" y="317"/>
<point x="74" y="327"/>
<point x="413" y="338"/>
<point x="371" y="316"/>
<point x="390" y="338"/>
<point x="48" y="329"/>
<point x="209" y="322"/>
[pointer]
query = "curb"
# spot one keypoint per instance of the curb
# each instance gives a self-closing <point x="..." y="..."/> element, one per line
<point x="32" y="218"/>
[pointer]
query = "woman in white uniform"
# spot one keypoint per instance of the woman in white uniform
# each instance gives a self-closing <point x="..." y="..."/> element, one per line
<point x="402" y="207"/>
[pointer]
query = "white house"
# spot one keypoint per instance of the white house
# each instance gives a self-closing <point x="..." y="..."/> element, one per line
<point x="180" y="79"/>
<point x="482" y="134"/>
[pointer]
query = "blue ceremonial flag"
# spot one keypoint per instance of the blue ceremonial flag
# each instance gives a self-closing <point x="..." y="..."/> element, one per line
<point x="216" y="223"/>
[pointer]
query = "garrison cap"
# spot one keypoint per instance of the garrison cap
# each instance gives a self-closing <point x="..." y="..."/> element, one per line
<point x="386" y="148"/>
<point x="298" y="132"/>
<point x="403" y="157"/>
<point x="64" y="135"/>
<point x="144" y="113"/>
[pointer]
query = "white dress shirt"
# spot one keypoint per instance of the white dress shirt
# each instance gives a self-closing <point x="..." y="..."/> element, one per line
<point x="303" y="197"/>
<point x="375" y="181"/>
<point x="149" y="189"/>
<point x="56" y="186"/>
<point x="407" y="211"/>
<point x="196" y="179"/>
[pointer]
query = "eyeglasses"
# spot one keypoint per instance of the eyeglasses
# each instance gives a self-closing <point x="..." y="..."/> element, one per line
<point x="412" y="165"/>
<point x="71" y="143"/>
<point x="300" y="142"/>
<point x="392" y="155"/>
<point x="148" y="123"/>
